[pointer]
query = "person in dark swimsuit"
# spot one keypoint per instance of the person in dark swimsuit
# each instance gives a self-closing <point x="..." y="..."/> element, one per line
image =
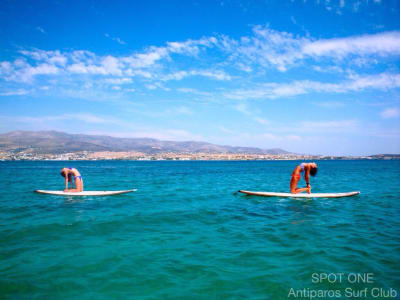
<point x="307" y="169"/>
<point x="70" y="175"/>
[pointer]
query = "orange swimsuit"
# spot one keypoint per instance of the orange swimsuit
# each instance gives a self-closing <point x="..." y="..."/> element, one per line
<point x="298" y="176"/>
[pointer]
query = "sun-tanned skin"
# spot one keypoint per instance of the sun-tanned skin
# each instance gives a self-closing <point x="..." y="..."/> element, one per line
<point x="296" y="176"/>
<point x="75" y="176"/>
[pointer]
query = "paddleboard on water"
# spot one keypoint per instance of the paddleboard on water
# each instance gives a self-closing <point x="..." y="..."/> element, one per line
<point x="301" y="195"/>
<point x="85" y="193"/>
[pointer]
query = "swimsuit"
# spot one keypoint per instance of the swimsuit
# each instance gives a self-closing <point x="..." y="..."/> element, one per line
<point x="77" y="177"/>
<point x="80" y="178"/>
<point x="298" y="176"/>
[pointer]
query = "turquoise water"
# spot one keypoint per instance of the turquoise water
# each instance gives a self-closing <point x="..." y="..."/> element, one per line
<point x="186" y="234"/>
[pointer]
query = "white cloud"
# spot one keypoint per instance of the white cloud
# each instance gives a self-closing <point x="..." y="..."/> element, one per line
<point x="151" y="86"/>
<point x="337" y="126"/>
<point x="39" y="62"/>
<point x="213" y="74"/>
<point x="264" y="48"/>
<point x="82" y="56"/>
<point x="328" y="124"/>
<point x="214" y="58"/>
<point x="293" y="137"/>
<point x="194" y="92"/>
<point x="267" y="47"/>
<point x="269" y="90"/>
<point x="243" y="108"/>
<point x="191" y="47"/>
<point x="78" y="68"/>
<point x="40" y="29"/>
<point x="116" y="39"/>
<point x="388" y="113"/>
<point x="226" y="130"/>
<point x="261" y="120"/>
<point x="268" y="136"/>
<point x="162" y="134"/>
<point x="166" y="113"/>
<point x="28" y="73"/>
<point x="124" y="80"/>
<point x="77" y="117"/>
<point x="145" y="59"/>
<point x="180" y="110"/>
<point x="329" y="104"/>
<point x="19" y="92"/>
<point x="380" y="44"/>
<point x="252" y="113"/>
<point x="176" y="76"/>
<point x="54" y="57"/>
<point x="87" y="118"/>
<point x="111" y="65"/>
<point x="219" y="75"/>
<point x="107" y="65"/>
<point x="5" y="67"/>
<point x="382" y="81"/>
<point x="328" y="69"/>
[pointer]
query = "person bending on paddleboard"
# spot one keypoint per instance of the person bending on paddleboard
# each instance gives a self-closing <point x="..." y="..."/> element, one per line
<point x="70" y="175"/>
<point x="306" y="168"/>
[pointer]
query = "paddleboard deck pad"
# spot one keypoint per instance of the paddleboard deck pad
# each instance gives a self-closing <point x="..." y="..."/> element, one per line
<point x="300" y="195"/>
<point x="85" y="193"/>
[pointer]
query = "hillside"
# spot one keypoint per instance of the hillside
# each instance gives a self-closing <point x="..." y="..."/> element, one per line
<point x="54" y="142"/>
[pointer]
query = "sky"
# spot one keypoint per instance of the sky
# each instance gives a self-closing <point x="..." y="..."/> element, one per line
<point x="310" y="76"/>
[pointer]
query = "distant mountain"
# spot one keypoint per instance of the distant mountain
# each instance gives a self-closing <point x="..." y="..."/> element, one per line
<point x="54" y="142"/>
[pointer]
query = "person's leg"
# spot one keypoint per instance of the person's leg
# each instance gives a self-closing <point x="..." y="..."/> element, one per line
<point x="293" y="186"/>
<point x="78" y="186"/>
<point x="296" y="191"/>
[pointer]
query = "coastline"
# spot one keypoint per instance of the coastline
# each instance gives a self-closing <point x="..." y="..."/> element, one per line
<point x="171" y="156"/>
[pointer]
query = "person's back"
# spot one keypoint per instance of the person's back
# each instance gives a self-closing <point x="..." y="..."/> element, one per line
<point x="307" y="169"/>
<point x="72" y="175"/>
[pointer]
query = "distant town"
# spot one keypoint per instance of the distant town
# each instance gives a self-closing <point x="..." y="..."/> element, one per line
<point x="131" y="155"/>
<point x="54" y="145"/>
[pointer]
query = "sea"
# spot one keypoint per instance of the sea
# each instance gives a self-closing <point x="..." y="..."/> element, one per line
<point x="186" y="233"/>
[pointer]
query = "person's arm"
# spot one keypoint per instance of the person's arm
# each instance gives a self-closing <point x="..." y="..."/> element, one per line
<point x="66" y="183"/>
<point x="307" y="178"/>
<point x="307" y="175"/>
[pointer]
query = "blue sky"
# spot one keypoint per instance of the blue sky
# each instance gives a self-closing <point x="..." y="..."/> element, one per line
<point x="318" y="77"/>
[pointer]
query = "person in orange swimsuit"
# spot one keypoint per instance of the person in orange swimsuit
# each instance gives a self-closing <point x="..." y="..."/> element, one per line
<point x="306" y="168"/>
<point x="69" y="174"/>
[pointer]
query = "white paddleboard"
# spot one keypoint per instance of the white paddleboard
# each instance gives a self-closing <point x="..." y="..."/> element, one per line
<point x="301" y="195"/>
<point x="85" y="193"/>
